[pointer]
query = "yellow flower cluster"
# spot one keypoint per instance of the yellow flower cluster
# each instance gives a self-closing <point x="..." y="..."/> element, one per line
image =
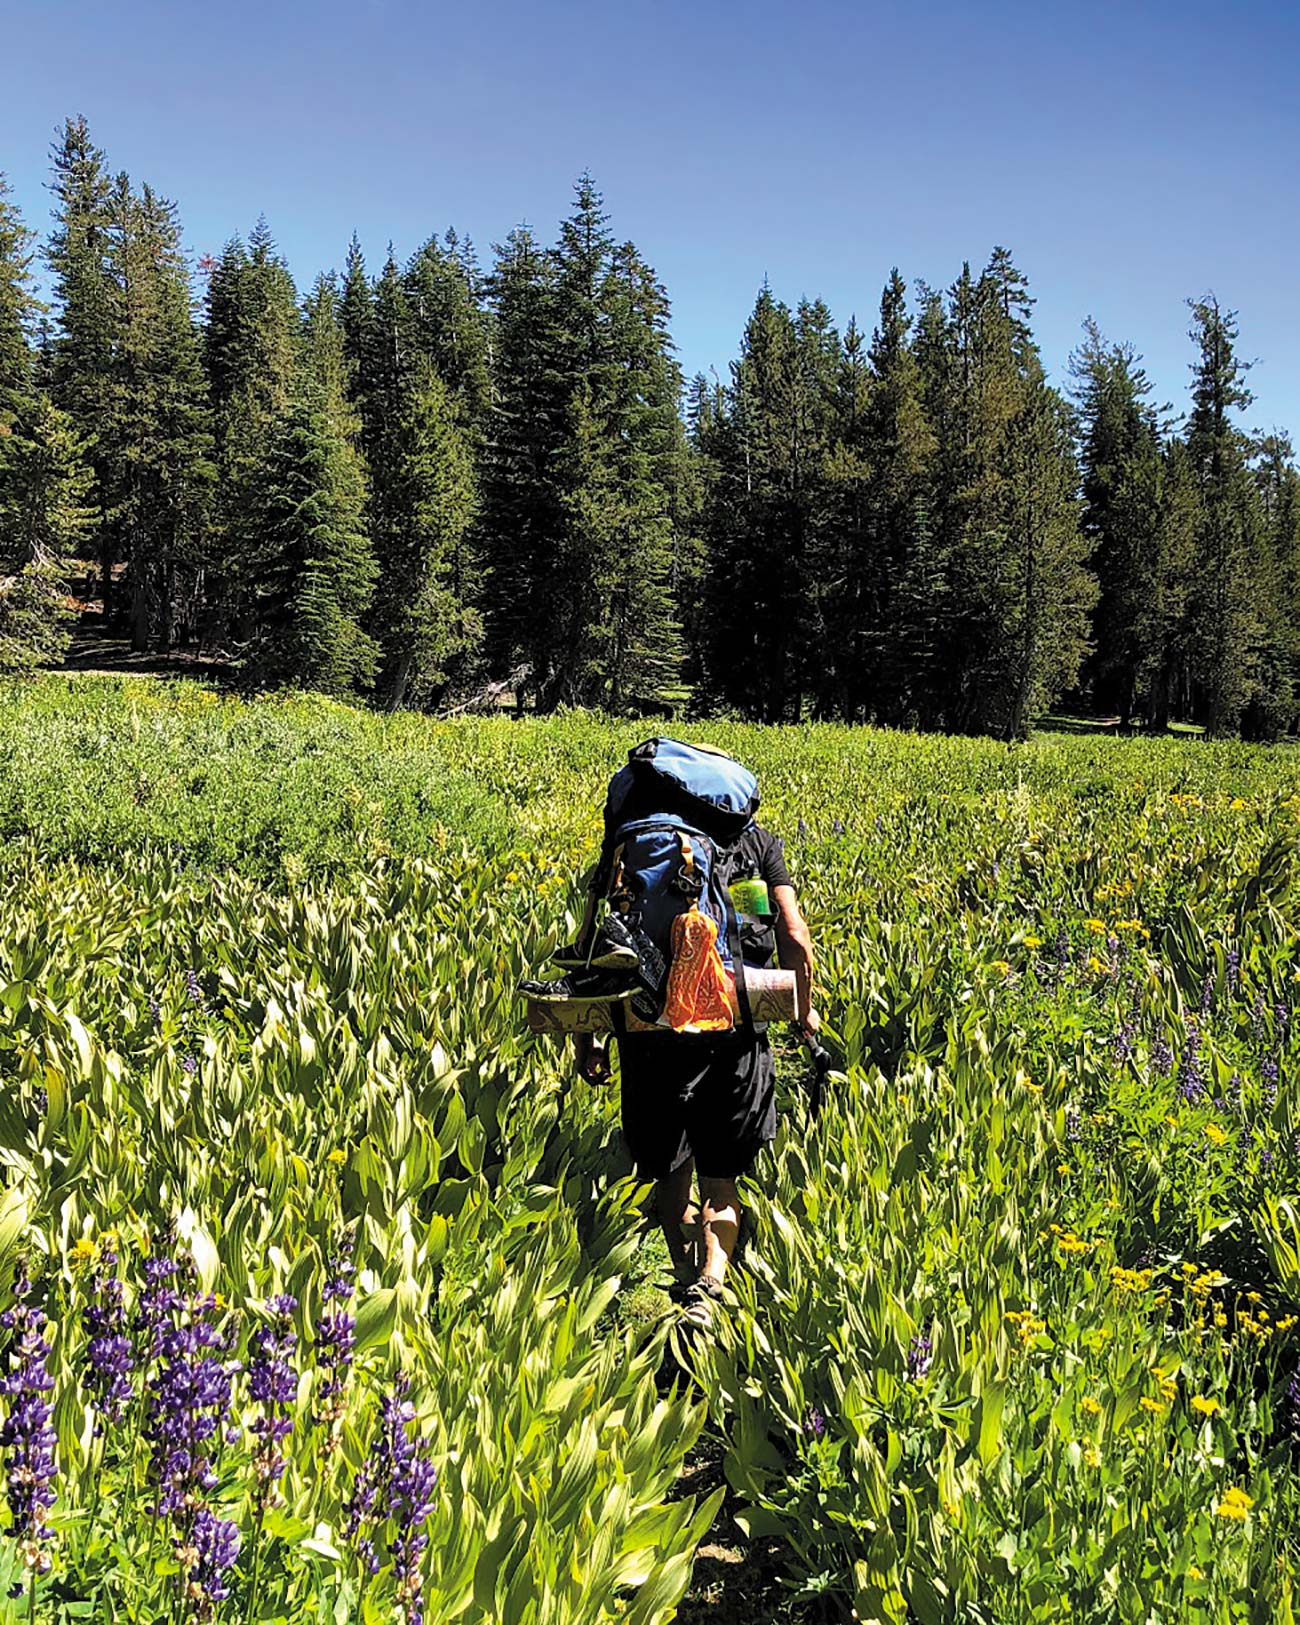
<point x="1097" y="927"/>
<point x="1207" y="1407"/>
<point x="1133" y="925"/>
<point x="1002" y="966"/>
<point x="1215" y="1135"/>
<point x="1089" y="1406"/>
<point x="1033" y="942"/>
<point x="82" y="1252"/>
<point x="1129" y="1281"/>
<point x="1068" y="1242"/>
<point x="1235" y="1504"/>
<point x="1027" y="1326"/>
<point x="1186" y="801"/>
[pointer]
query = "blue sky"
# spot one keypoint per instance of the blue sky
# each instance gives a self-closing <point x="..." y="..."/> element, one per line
<point x="1130" y="155"/>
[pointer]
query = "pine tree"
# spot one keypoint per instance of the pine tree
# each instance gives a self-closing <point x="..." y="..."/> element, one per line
<point x="444" y="297"/>
<point x="356" y="314"/>
<point x="253" y="361"/>
<point x="901" y="450"/>
<point x="1227" y="627"/>
<point x="18" y="310"/>
<point x="1274" y="708"/>
<point x="79" y="254"/>
<point x="527" y="429"/>
<point x="1122" y="491"/>
<point x="423" y="616"/>
<point x="45" y="516"/>
<point x="155" y="440"/>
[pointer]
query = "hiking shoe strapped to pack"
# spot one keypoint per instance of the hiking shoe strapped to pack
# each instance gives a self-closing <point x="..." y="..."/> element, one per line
<point x="581" y="987"/>
<point x="613" y="949"/>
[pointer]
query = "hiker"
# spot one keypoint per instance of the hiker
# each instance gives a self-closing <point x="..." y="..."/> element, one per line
<point x="699" y="1103"/>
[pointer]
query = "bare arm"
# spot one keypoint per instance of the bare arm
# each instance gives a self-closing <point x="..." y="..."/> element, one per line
<point x="794" y="949"/>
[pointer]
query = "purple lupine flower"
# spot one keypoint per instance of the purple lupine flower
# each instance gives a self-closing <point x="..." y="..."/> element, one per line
<point x="814" y="1423"/>
<point x="1281" y="1021"/>
<point x="157" y="1303"/>
<point x="1293" y="1404"/>
<point x="1073" y="1132"/>
<point x="1191" y="1077"/>
<point x="26" y="1435"/>
<point x="920" y="1355"/>
<point x="803" y="830"/>
<point x="1235" y="1091"/>
<point x="335" y="1340"/>
<point x="1207" y="995"/>
<point x="1124" y="1041"/>
<point x="189" y="1407"/>
<point x="395" y="1483"/>
<point x="206" y="1555"/>
<point x="1162" y="1056"/>
<point x="189" y="1065"/>
<point x="193" y="988"/>
<point x="1232" y="970"/>
<point x="273" y="1384"/>
<point x="155" y="1012"/>
<point x="1266" y="1159"/>
<point x="110" y="1353"/>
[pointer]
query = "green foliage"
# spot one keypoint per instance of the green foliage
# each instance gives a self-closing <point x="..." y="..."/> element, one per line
<point x="260" y="960"/>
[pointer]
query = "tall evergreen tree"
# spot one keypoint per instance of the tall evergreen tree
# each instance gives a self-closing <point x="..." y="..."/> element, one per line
<point x="253" y="362"/>
<point x="1227" y="629"/>
<point x="86" y="297"/>
<point x="45" y="482"/>
<point x="1137" y="620"/>
<point x="444" y="297"/>
<point x="155" y="441"/>
<point x="18" y="310"/>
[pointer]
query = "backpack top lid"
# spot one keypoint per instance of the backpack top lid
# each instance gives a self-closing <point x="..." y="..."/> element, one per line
<point x="709" y="790"/>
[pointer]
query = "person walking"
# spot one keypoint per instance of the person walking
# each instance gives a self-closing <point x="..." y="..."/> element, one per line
<point x="700" y="1106"/>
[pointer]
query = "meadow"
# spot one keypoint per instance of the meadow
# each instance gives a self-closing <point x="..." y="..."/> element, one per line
<point x="326" y="1290"/>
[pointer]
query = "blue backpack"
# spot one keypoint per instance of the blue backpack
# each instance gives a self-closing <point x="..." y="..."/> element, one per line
<point x="672" y="816"/>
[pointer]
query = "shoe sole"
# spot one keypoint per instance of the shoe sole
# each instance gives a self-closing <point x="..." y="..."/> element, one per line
<point x="614" y="997"/>
<point x="615" y="959"/>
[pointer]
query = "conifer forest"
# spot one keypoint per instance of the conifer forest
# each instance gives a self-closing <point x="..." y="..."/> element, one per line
<point x="408" y="481"/>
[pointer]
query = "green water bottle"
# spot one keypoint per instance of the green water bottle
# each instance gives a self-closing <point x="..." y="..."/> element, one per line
<point x="750" y="897"/>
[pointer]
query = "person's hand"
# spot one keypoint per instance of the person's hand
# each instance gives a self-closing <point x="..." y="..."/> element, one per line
<point x="812" y="1022"/>
<point x="592" y="1058"/>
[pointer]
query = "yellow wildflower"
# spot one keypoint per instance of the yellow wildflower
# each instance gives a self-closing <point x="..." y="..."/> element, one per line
<point x="1089" y="1406"/>
<point x="1033" y="942"/>
<point x="1002" y="966"/>
<point x="1095" y="965"/>
<point x="1207" y="1407"/>
<point x="1070" y="1243"/>
<point x="83" y="1250"/>
<point x="337" y="1157"/>
<point x="1215" y="1135"/>
<point x="1254" y="1297"/>
<point x="1193" y="1573"/>
<point x="1064" y="1168"/>
<point x="1152" y="1405"/>
<point x="1236" y="804"/>
<point x="1235" y="1504"/>
<point x="1092" y="1456"/>
<point x="1097" y="927"/>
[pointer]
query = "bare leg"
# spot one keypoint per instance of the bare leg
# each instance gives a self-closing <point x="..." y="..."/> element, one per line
<point x="720" y="1204"/>
<point x="680" y="1219"/>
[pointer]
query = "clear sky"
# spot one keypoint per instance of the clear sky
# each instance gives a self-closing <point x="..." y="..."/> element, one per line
<point x="1130" y="155"/>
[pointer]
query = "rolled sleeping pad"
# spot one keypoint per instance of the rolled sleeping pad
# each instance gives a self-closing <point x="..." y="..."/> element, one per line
<point x="773" y="996"/>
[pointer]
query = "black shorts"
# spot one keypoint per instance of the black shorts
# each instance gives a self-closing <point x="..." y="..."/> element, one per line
<point x="703" y="1095"/>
